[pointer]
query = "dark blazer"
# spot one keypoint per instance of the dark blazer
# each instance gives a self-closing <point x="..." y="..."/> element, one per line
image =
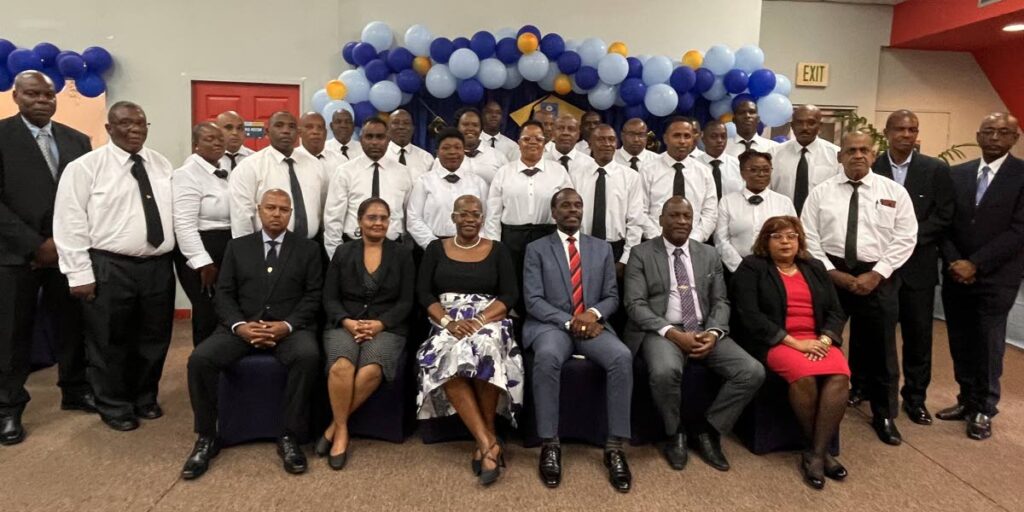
<point x="931" y="190"/>
<point x="759" y="304"/>
<point x="990" y="235"/>
<point x="247" y="292"/>
<point x="27" y="189"/>
<point x="346" y="297"/>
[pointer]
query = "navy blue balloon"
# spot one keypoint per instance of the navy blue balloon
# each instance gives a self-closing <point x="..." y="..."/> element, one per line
<point x="91" y="85"/>
<point x="636" y="68"/>
<point x="701" y="109"/>
<point x="471" y="91"/>
<point x="71" y="65"/>
<point x="705" y="79"/>
<point x="735" y="81"/>
<point x="682" y="79"/>
<point x="761" y="83"/>
<point x="552" y="45"/>
<point x="23" y="59"/>
<point x="529" y="28"/>
<point x="741" y="97"/>
<point x="587" y="77"/>
<point x="48" y="53"/>
<point x="383" y="56"/>
<point x="460" y="42"/>
<point x="363" y="110"/>
<point x="686" y="101"/>
<point x="508" y="51"/>
<point x="55" y="77"/>
<point x="634" y="111"/>
<point x="780" y="138"/>
<point x="347" y="52"/>
<point x="632" y="91"/>
<point x="400" y="59"/>
<point x="97" y="59"/>
<point x="376" y="70"/>
<point x="6" y="47"/>
<point x="483" y="44"/>
<point x="441" y="49"/>
<point x="363" y="53"/>
<point x="6" y="80"/>
<point x="569" y="62"/>
<point x="409" y="81"/>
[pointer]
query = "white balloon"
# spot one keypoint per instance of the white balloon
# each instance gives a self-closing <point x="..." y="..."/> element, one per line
<point x="378" y="34"/>
<point x="492" y="73"/>
<point x="513" y="78"/>
<point x="533" y="66"/>
<point x="417" y="40"/>
<point x="440" y="82"/>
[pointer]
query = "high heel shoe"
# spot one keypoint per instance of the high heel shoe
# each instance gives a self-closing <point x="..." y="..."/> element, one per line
<point x="835" y="470"/>
<point x="489" y="476"/>
<point x="814" y="481"/>
<point x="475" y="463"/>
<point x="323" y="446"/>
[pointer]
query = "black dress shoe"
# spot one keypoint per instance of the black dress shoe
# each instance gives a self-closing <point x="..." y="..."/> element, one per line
<point x="886" y="430"/>
<point x="149" y="412"/>
<point x="709" y="448"/>
<point x="322" y="447"/>
<point x="618" y="470"/>
<point x="918" y="414"/>
<point x="291" y="454"/>
<point x="979" y="426"/>
<point x="814" y="480"/>
<point x="198" y="462"/>
<point x="835" y="470"/>
<point x="11" y="430"/>
<point x="856" y="397"/>
<point x="337" y="462"/>
<point x="674" y="451"/>
<point x="550" y="467"/>
<point x="84" y="402"/>
<point x="121" y="424"/>
<point x="958" y="412"/>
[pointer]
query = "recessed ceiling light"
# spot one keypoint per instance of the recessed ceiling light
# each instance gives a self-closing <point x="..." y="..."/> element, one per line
<point x="1014" y="27"/>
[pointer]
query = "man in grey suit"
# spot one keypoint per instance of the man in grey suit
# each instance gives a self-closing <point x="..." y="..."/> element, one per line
<point x="570" y="290"/>
<point x="678" y="311"/>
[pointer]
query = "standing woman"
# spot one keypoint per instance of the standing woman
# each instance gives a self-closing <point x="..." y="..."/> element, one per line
<point x="786" y="313"/>
<point x="368" y="294"/>
<point x="471" y="364"/>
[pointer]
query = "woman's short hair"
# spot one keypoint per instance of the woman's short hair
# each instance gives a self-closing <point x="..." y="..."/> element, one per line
<point x="449" y="133"/>
<point x="365" y="205"/>
<point x="749" y="154"/>
<point x="776" y="225"/>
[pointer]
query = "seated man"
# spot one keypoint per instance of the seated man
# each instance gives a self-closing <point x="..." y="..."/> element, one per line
<point x="678" y="311"/>
<point x="268" y="295"/>
<point x="569" y="287"/>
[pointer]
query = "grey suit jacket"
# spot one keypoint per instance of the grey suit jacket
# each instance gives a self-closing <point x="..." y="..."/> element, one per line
<point x="647" y="282"/>
<point x="547" y="284"/>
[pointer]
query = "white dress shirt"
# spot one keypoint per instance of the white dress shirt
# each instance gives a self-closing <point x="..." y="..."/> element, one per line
<point x="624" y="203"/>
<point x="517" y="199"/>
<point x="623" y="157"/>
<point x="657" y="178"/>
<point x="739" y="222"/>
<point x="202" y="202"/>
<point x="98" y="206"/>
<point x="886" y="224"/>
<point x="674" y="310"/>
<point x="429" y="215"/>
<point x="568" y="264"/>
<point x="225" y="161"/>
<point x="583" y="147"/>
<point x="993" y="167"/>
<point x="736" y="148"/>
<point x="503" y="144"/>
<point x="329" y="159"/>
<point x="485" y="164"/>
<point x="730" y="168"/>
<point x="267" y="170"/>
<point x="577" y="159"/>
<point x="353" y="148"/>
<point x="822" y="164"/>
<point x="416" y="159"/>
<point x="351" y="185"/>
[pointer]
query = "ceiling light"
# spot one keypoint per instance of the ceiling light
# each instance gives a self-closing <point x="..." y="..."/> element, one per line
<point x="1014" y="27"/>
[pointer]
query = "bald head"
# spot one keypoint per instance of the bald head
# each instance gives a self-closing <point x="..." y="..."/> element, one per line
<point x="342" y="126"/>
<point x="998" y="132"/>
<point x="35" y="97"/>
<point x="806" y="123"/>
<point x="313" y="132"/>
<point x="234" y="130"/>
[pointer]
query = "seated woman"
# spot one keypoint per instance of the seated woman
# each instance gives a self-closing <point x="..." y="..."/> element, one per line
<point x="470" y="365"/>
<point x="368" y="293"/>
<point x="787" y="314"/>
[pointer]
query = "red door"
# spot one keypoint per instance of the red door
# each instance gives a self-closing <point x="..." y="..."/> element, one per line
<point x="254" y="102"/>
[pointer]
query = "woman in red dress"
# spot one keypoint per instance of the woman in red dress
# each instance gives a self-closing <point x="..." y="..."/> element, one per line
<point x="788" y="315"/>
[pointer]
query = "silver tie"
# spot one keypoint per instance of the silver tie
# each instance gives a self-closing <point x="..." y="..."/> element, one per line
<point x="43" y="139"/>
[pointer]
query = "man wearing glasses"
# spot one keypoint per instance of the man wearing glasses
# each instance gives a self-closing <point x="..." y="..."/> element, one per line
<point x="634" y="150"/>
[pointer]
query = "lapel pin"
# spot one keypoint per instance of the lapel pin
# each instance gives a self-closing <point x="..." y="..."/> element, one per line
<point x="270" y="269"/>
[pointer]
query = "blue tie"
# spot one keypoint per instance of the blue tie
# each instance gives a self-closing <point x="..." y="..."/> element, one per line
<point x="982" y="184"/>
<point x="686" y="302"/>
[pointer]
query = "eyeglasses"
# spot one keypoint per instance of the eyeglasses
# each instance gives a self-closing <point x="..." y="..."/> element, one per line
<point x="373" y="219"/>
<point x="1005" y="132"/>
<point x="784" y="236"/>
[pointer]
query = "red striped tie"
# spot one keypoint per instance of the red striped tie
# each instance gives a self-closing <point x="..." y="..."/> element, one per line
<point x="576" y="271"/>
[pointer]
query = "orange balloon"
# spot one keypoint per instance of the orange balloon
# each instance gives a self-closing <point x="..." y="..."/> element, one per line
<point x="528" y="43"/>
<point x="620" y="48"/>
<point x="563" y="85"/>
<point x="725" y="118"/>
<point x="693" y="59"/>
<point x="421" y="65"/>
<point x="336" y="89"/>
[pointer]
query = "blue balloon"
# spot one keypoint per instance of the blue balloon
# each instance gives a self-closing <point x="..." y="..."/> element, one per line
<point x="761" y="82"/>
<point x="376" y="70"/>
<point x="591" y="50"/>
<point x="409" y="81"/>
<point x="686" y="101"/>
<point x="417" y="40"/>
<point x="704" y="80"/>
<point x="682" y="79"/>
<point x="512" y="77"/>
<point x="90" y="85"/>
<point x="601" y="96"/>
<point x="357" y="84"/>
<point x="71" y="65"/>
<point x="508" y="51"/>
<point x="730" y="129"/>
<point x="23" y="59"/>
<point x="637" y="111"/>
<point x="440" y="82"/>
<point x="385" y="96"/>
<point x="782" y="85"/>
<point x="384" y="56"/>
<point x="471" y="91"/>
<point x="552" y="45"/>
<point x="661" y="99"/>
<point x="483" y="44"/>
<point x="750" y="58"/>
<point x="612" y="68"/>
<point x="329" y="108"/>
<point x="548" y="82"/>
<point x="97" y="59"/>
<point x="657" y="70"/>
<point x="775" y="110"/>
<point x="780" y="138"/>
<point x="529" y="28"/>
<point x="48" y="53"/>
<point x="721" y="107"/>
<point x="6" y="80"/>
<point x="441" y="50"/>
<point x="587" y="78"/>
<point x="736" y="100"/>
<point x="632" y="91"/>
<point x="569" y="62"/>
<point x="719" y="59"/>
<point x="735" y="81"/>
<point x="320" y="100"/>
<point x="363" y="53"/>
<point x="378" y="34"/>
<point x="534" y="66"/>
<point x="400" y="59"/>
<point x="717" y="90"/>
<point x="492" y="73"/>
<point x="464" y="63"/>
<point x="636" y="68"/>
<point x="363" y="111"/>
<point x="347" y="52"/>
<point x="460" y="42"/>
<point x="55" y="77"/>
<point x="6" y="47"/>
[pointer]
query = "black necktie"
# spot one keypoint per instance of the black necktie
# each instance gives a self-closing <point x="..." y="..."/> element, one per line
<point x="755" y="200"/>
<point x="221" y="173"/>
<point x="679" y="182"/>
<point x="473" y="153"/>
<point x="375" y="187"/>
<point x="800" y="190"/>
<point x="633" y="163"/>
<point x="452" y="178"/>
<point x="597" y="223"/>
<point x="851" y="226"/>
<point x="493" y="140"/>
<point x="716" y="171"/>
<point x="320" y="156"/>
<point x="401" y="157"/>
<point x="299" y="208"/>
<point x="564" y="159"/>
<point x="232" y="157"/>
<point x="530" y="172"/>
<point x="344" y="151"/>
<point x="271" y="255"/>
<point x="154" y="228"/>
<point x="747" y="144"/>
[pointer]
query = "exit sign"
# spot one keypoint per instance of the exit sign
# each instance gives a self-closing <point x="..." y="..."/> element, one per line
<point x="811" y="74"/>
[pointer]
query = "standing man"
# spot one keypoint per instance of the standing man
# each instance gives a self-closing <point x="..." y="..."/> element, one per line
<point x="863" y="229"/>
<point x="342" y="126"/>
<point x="482" y="159"/>
<point x="931" y="191"/>
<point x="493" y="117"/>
<point x="546" y="118"/>
<point x="313" y="136"/>
<point x="114" y="234"/>
<point x="234" y="139"/>
<point x="985" y="256"/>
<point x="805" y="161"/>
<point x="747" y="120"/>
<point x="725" y="168"/>
<point x="401" y="149"/>
<point x="567" y="133"/>
<point x="634" y="150"/>
<point x="588" y="122"/>
<point x="34" y="150"/>
<point x="570" y="290"/>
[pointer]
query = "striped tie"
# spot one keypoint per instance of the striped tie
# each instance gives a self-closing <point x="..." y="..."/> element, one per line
<point x="576" y="271"/>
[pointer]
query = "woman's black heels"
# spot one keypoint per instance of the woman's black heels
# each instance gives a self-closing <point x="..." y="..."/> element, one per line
<point x="835" y="470"/>
<point x="489" y="476"/>
<point x="476" y="464"/>
<point x="815" y="481"/>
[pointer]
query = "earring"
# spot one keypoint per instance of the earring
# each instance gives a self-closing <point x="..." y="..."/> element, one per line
<point x="359" y="233"/>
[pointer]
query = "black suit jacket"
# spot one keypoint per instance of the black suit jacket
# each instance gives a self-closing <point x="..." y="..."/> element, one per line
<point x="931" y="190"/>
<point x="991" y="234"/>
<point x="345" y="295"/>
<point x="27" y="189"/>
<point x="759" y="304"/>
<point x="247" y="292"/>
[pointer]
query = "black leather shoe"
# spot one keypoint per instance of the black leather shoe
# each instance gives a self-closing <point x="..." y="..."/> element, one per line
<point x="618" y="470"/>
<point x="550" y="467"/>
<point x="322" y="447"/>
<point x="835" y="470"/>
<point x="979" y="426"/>
<point x="149" y="412"/>
<point x="812" y="479"/>
<point x="886" y="430"/>
<point x="337" y="462"/>
<point x="674" y="451"/>
<point x="198" y="462"/>
<point x="709" y="448"/>
<point x="856" y="397"/>
<point x="918" y="414"/>
<point x="291" y="454"/>
<point x="11" y="430"/>
<point x="121" y="424"/>
<point x="956" y="413"/>
<point x="84" y="402"/>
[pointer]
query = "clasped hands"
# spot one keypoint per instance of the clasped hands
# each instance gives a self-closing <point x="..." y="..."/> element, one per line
<point x="362" y="330"/>
<point x="963" y="271"/>
<point x="585" y="325"/>
<point x="696" y="345"/>
<point x="262" y="333"/>
<point x="863" y="284"/>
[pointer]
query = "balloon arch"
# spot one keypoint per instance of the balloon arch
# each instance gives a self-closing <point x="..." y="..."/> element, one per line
<point x="86" y="68"/>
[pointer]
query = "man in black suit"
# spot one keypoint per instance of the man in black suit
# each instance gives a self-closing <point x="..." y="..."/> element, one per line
<point x="985" y="253"/>
<point x="268" y="296"/>
<point x="931" y="191"/>
<point x="33" y="153"/>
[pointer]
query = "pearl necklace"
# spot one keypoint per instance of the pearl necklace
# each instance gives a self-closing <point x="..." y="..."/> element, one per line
<point x="783" y="271"/>
<point x="455" y="240"/>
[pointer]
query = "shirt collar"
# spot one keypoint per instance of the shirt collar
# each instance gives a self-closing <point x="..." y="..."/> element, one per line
<point x="395" y="148"/>
<point x="279" y="239"/>
<point x="747" y="194"/>
<point x="123" y="156"/>
<point x="671" y="248"/>
<point x="867" y="180"/>
<point x="558" y="154"/>
<point x="47" y="128"/>
<point x="894" y="165"/>
<point x="277" y="155"/>
<point x="994" y="165"/>
<point x="202" y="163"/>
<point x="565" y="237"/>
<point x="520" y="166"/>
<point x="669" y="161"/>
<point x="310" y="153"/>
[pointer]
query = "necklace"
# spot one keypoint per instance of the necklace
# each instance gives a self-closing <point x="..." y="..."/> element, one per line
<point x="455" y="240"/>
<point x="791" y="271"/>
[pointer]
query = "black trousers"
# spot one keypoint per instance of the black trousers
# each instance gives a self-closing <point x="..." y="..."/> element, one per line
<point x="516" y="238"/>
<point x="24" y="294"/>
<point x="976" y="321"/>
<point x="204" y="315"/>
<point x="128" y="329"/>
<point x="916" y="317"/>
<point x="873" y="358"/>
<point x="300" y="352"/>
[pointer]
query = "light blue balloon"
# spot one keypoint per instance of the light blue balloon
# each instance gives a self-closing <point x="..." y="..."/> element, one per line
<point x="782" y="85"/>
<point x="417" y="40"/>
<point x="548" y="82"/>
<point x="657" y="70"/>
<point x="661" y="99"/>
<point x="406" y="98"/>
<point x="378" y="34"/>
<point x="331" y="107"/>
<point x="492" y="73"/>
<point x="385" y="96"/>
<point x="730" y="129"/>
<point x="717" y="90"/>
<point x="618" y="101"/>
<point x="591" y="50"/>
<point x="575" y="87"/>
<point x="320" y="100"/>
<point x="357" y="85"/>
<point x="512" y="77"/>
<point x="572" y="45"/>
<point x="721" y="107"/>
<point x="504" y="32"/>
<point x="533" y="66"/>
<point x="643" y="58"/>
<point x="719" y="59"/>
<point x="602" y="96"/>
<point x="440" y="82"/>
<point x="612" y="68"/>
<point x="775" y="110"/>
<point x="750" y="58"/>
<point x="464" y="63"/>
